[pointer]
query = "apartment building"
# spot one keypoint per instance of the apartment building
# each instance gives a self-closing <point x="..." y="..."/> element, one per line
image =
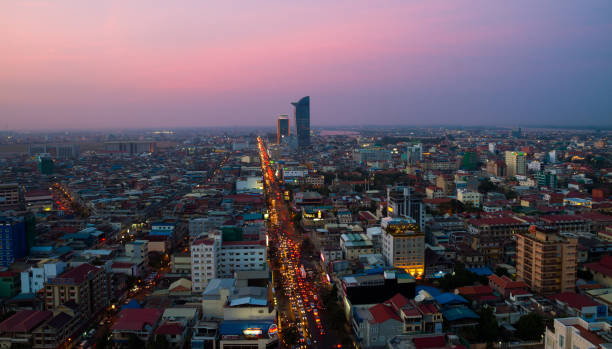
<point x="546" y="261"/>
<point x="489" y="235"/>
<point x="403" y="245"/>
<point x="213" y="258"/>
<point x="86" y="285"/>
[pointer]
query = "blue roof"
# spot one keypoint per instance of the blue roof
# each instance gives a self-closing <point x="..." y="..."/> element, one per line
<point x="248" y="300"/>
<point x="133" y="304"/>
<point x="235" y="327"/>
<point x="252" y="216"/>
<point x="458" y="313"/>
<point x="434" y="292"/>
<point x="40" y="249"/>
<point x="482" y="271"/>
<point x="449" y="298"/>
<point x="160" y="233"/>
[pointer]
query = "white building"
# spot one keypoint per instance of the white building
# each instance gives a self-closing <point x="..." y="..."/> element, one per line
<point x="492" y="148"/>
<point x="249" y="184"/>
<point x="33" y="279"/>
<point x="576" y="333"/>
<point x="211" y="258"/>
<point x="469" y="197"/>
<point x="403" y="245"/>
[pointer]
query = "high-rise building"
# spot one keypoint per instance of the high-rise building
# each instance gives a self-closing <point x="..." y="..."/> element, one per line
<point x="546" y="261"/>
<point x="13" y="238"/>
<point x="45" y="165"/>
<point x="402" y="202"/>
<point x="302" y="121"/>
<point x="10" y="196"/>
<point x="85" y="285"/>
<point x="282" y="128"/>
<point x="516" y="163"/>
<point x="403" y="245"/>
<point x="414" y="153"/>
<point x="547" y="179"/>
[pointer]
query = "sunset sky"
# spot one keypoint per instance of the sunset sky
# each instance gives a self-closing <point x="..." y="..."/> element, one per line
<point x="159" y="63"/>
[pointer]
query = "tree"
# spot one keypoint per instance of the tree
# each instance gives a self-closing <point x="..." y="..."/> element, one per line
<point x="488" y="329"/>
<point x="134" y="342"/>
<point x="160" y="342"/>
<point x="102" y="341"/>
<point x="486" y="186"/>
<point x="585" y="274"/>
<point x="530" y="326"/>
<point x="500" y="271"/>
<point x="290" y="335"/>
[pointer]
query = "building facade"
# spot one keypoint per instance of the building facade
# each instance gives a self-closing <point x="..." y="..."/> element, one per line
<point x="546" y="261"/>
<point x="282" y="128"/>
<point x="302" y="121"/>
<point x="85" y="285"/>
<point x="403" y="245"/>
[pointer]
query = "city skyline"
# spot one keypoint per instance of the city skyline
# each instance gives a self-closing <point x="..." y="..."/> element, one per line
<point x="75" y="65"/>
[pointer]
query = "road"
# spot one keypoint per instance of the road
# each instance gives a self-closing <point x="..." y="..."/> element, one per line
<point x="299" y="296"/>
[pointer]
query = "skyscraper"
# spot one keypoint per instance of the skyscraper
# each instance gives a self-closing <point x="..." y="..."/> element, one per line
<point x="516" y="163"/>
<point x="302" y="121"/>
<point x="282" y="128"/>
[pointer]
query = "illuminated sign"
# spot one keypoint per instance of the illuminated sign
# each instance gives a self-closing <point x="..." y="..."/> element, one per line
<point x="273" y="330"/>
<point x="252" y="332"/>
<point x="390" y="209"/>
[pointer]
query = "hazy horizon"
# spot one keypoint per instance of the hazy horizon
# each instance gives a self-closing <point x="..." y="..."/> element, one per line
<point x="79" y="65"/>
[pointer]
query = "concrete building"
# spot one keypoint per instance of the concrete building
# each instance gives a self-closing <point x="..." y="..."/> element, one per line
<point x="212" y="258"/>
<point x="516" y="163"/>
<point x="13" y="237"/>
<point x="467" y="197"/>
<point x="403" y="245"/>
<point x="546" y="261"/>
<point x="86" y="285"/>
<point x="10" y="196"/>
<point x="402" y="202"/>
<point x="576" y="333"/>
<point x="354" y="245"/>
<point x="33" y="279"/>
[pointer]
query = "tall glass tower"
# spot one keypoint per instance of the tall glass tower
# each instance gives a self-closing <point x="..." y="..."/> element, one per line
<point x="282" y="128"/>
<point x="302" y="121"/>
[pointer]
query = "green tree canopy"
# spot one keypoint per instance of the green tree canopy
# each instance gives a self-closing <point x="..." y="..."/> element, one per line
<point x="530" y="326"/>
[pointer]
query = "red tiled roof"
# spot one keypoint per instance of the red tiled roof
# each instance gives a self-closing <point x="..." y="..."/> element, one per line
<point x="121" y="265"/>
<point x="170" y="328"/>
<point x="561" y="218"/>
<point x="24" y="321"/>
<point x="429" y="342"/>
<point x="474" y="290"/>
<point x="575" y="300"/>
<point x="398" y="301"/>
<point x="205" y="241"/>
<point x="507" y="283"/>
<point x="495" y="221"/>
<point x="8" y="274"/>
<point x="428" y="308"/>
<point x="136" y="319"/>
<point x="79" y="273"/>
<point x="519" y="292"/>
<point x="604" y="266"/>
<point x="382" y="313"/>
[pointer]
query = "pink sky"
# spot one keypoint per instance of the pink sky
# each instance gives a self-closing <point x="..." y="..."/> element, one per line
<point x="82" y="64"/>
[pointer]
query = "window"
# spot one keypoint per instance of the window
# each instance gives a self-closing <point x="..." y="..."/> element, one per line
<point x="561" y="341"/>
